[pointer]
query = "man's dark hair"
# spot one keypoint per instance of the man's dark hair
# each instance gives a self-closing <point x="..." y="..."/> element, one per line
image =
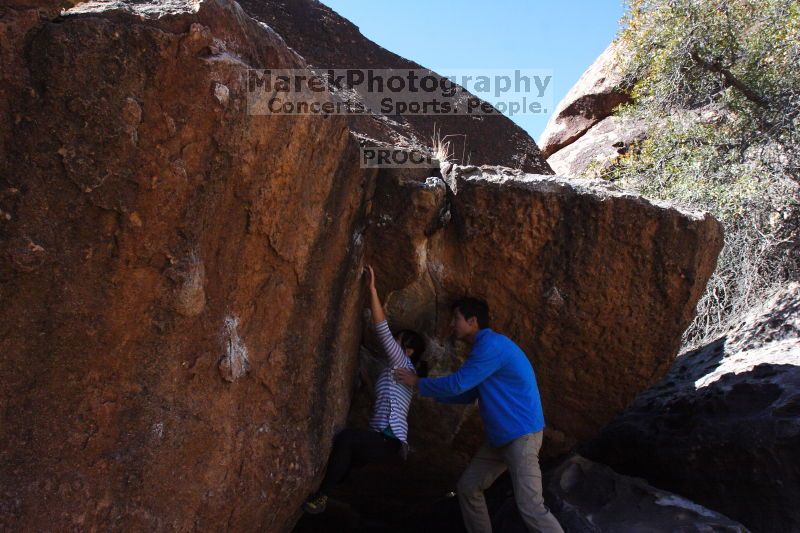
<point x="473" y="307"/>
<point x="411" y="339"/>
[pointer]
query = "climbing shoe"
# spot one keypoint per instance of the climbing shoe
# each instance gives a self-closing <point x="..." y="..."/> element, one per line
<point x="315" y="504"/>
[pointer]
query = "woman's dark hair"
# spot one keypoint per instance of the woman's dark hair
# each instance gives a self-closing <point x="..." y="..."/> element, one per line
<point x="411" y="339"/>
<point x="473" y="307"/>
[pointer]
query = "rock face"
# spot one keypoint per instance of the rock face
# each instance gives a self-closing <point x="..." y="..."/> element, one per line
<point x="328" y="40"/>
<point x="174" y="273"/>
<point x="590" y="497"/>
<point x="597" y="149"/>
<point x="594" y="97"/>
<point x="723" y="426"/>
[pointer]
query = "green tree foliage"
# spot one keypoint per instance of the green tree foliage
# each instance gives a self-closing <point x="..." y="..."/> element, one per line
<point x="717" y="83"/>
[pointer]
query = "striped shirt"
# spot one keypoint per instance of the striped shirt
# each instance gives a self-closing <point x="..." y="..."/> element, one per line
<point x="392" y="399"/>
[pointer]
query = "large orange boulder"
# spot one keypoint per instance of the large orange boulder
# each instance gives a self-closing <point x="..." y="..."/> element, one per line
<point x="174" y="275"/>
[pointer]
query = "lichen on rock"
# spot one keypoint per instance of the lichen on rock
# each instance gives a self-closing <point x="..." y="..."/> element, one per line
<point x="234" y="363"/>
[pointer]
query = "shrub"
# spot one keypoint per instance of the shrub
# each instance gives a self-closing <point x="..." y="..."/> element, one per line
<point x="717" y="84"/>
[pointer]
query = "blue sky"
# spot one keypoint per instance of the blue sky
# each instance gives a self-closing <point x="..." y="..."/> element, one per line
<point x="563" y="37"/>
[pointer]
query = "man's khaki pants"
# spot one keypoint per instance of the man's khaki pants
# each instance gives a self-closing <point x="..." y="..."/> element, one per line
<point x="521" y="457"/>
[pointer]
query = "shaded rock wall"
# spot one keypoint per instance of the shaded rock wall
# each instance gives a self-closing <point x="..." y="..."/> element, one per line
<point x="590" y="497"/>
<point x="722" y="427"/>
<point x="173" y="273"/>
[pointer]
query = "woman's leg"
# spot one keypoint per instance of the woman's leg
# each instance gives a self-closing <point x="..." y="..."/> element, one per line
<point x="341" y="459"/>
<point x="351" y="447"/>
<point x="356" y="447"/>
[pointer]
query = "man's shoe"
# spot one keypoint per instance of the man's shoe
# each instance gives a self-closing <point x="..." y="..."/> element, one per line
<point x="316" y="504"/>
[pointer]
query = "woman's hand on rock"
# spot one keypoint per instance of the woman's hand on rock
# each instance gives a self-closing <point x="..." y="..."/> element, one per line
<point x="370" y="273"/>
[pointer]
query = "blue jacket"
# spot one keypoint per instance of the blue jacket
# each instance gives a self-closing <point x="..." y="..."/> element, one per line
<point x="498" y="374"/>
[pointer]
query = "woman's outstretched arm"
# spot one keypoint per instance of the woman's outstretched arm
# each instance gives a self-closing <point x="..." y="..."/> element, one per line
<point x="397" y="356"/>
<point x="378" y="315"/>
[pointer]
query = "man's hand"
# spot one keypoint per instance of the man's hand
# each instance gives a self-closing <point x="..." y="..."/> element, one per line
<point x="406" y="377"/>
